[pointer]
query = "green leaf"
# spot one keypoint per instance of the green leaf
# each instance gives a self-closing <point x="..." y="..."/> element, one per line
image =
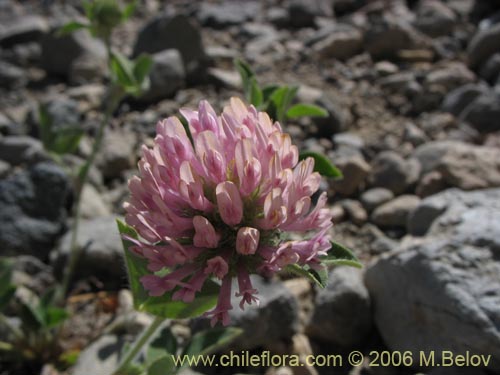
<point x="142" y="66"/>
<point x="7" y="290"/>
<point x="71" y="27"/>
<point x="165" y="343"/>
<point x="162" y="306"/>
<point x="322" y="164"/>
<point x="247" y="76"/>
<point x="319" y="277"/>
<point x="6" y="296"/>
<point x="211" y="340"/>
<point x="340" y="255"/>
<point x="31" y="317"/>
<point x="45" y="122"/>
<point x="133" y="369"/>
<point x="122" y="70"/>
<point x="302" y="110"/>
<point x="255" y="93"/>
<point x="129" y="10"/>
<point x="54" y="316"/>
<point x="268" y="91"/>
<point x="281" y="99"/>
<point x="66" y="141"/>
<point x="163" y="366"/>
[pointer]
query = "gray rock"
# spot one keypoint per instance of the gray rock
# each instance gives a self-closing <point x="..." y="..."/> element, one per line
<point x="338" y="118"/>
<point x="434" y="18"/>
<point x="490" y="70"/>
<point x="387" y="35"/>
<point x="414" y="135"/>
<point x="11" y="76"/>
<point x="4" y="168"/>
<point x="435" y="291"/>
<point x="400" y="82"/>
<point x="422" y="217"/>
<point x="17" y="150"/>
<point x="395" y="213"/>
<point x="342" y="312"/>
<point x="118" y="153"/>
<point x="63" y="112"/>
<point x="341" y="44"/>
<point x="278" y="16"/>
<point x="374" y="197"/>
<point x="32" y="213"/>
<point x="460" y="164"/>
<point x="76" y="56"/>
<point x="391" y="171"/>
<point x="449" y="77"/>
<point x="302" y="13"/>
<point x="276" y="318"/>
<point x="102" y="255"/>
<point x="101" y="357"/>
<point x="23" y="30"/>
<point x="355" y="171"/>
<point x="342" y="7"/>
<point x="167" y="75"/>
<point x="458" y="99"/>
<point x="350" y="140"/>
<point x="93" y="204"/>
<point x="354" y="210"/>
<point x="483" y="113"/>
<point x="227" y="13"/>
<point x="173" y="32"/>
<point x="484" y="44"/>
<point x="33" y="274"/>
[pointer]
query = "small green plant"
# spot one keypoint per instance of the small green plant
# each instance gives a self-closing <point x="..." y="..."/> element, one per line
<point x="102" y="17"/>
<point x="35" y="338"/>
<point x="277" y="101"/>
<point x="274" y="99"/>
<point x="127" y="77"/>
<point x="165" y="356"/>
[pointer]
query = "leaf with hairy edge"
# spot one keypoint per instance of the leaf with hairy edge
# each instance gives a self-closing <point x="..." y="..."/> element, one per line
<point x="162" y="306"/>
<point x="211" y="340"/>
<point x="255" y="93"/>
<point x="71" y="27"/>
<point x="142" y="67"/>
<point x="319" y="277"/>
<point x="322" y="164"/>
<point x="163" y="344"/>
<point x="302" y="110"/>
<point x="162" y="366"/>
<point x="340" y="255"/>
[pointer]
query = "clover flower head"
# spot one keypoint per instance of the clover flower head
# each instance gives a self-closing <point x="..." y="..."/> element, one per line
<point x="220" y="202"/>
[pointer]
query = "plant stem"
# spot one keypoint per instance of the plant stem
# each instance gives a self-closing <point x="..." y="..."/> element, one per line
<point x="75" y="250"/>
<point x="137" y="345"/>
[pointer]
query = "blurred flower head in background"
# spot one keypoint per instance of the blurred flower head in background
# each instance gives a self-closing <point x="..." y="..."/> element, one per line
<point x="221" y="201"/>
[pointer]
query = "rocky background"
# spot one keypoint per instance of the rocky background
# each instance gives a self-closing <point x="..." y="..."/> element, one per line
<point x="413" y="94"/>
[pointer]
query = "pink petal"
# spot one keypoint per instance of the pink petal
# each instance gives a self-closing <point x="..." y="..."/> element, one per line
<point x="229" y="203"/>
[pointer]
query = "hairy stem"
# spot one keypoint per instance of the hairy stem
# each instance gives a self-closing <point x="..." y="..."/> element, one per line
<point x="75" y="250"/>
<point x="138" y="345"/>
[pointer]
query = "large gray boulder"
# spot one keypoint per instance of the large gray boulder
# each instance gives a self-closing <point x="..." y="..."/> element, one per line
<point x="442" y="291"/>
<point x="342" y="311"/>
